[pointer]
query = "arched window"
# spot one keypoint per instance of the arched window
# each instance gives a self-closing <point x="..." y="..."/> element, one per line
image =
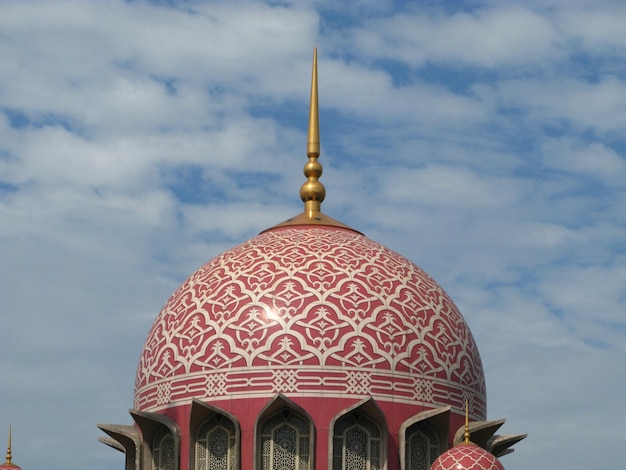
<point x="216" y="444"/>
<point x="422" y="446"/>
<point x="357" y="443"/>
<point x="163" y="450"/>
<point x="285" y="442"/>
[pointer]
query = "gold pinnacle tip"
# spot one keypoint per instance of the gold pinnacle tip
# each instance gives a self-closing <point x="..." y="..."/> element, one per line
<point x="313" y="140"/>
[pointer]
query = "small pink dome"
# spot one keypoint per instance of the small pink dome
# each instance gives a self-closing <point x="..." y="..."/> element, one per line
<point x="467" y="457"/>
<point x="9" y="466"/>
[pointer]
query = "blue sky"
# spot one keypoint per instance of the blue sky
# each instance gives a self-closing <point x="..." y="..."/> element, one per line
<point x="483" y="140"/>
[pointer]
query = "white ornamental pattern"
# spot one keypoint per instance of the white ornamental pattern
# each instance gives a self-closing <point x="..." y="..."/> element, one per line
<point x="467" y="457"/>
<point x="309" y="309"/>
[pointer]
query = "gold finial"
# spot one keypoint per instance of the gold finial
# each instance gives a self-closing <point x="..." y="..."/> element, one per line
<point x="466" y="435"/>
<point x="8" y="462"/>
<point x="313" y="192"/>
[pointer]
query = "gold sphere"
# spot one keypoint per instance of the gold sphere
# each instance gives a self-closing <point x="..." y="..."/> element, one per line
<point x="313" y="169"/>
<point x="312" y="191"/>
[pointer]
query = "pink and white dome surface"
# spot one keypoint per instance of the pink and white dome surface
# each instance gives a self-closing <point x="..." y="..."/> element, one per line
<point x="313" y="312"/>
<point x="9" y="466"/>
<point x="467" y="457"/>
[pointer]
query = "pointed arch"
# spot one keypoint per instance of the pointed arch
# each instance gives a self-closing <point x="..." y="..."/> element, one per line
<point x="161" y="440"/>
<point x="215" y="443"/>
<point x="423" y="437"/>
<point x="359" y="438"/>
<point x="285" y="436"/>
<point x="163" y="454"/>
<point x="422" y="447"/>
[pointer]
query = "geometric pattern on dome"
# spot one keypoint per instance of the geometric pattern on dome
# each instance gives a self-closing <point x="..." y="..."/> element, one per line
<point x="305" y="310"/>
<point x="467" y="457"/>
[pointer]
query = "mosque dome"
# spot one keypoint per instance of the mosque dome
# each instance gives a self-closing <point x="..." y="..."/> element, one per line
<point x="316" y="311"/>
<point x="307" y="346"/>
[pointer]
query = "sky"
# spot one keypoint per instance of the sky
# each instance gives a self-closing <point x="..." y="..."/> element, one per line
<point x="483" y="140"/>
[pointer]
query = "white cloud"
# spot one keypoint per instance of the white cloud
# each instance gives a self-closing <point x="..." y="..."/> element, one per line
<point x="505" y="35"/>
<point x="599" y="293"/>
<point x="599" y="29"/>
<point x="592" y="159"/>
<point x="586" y="105"/>
<point x="438" y="186"/>
<point x="138" y="141"/>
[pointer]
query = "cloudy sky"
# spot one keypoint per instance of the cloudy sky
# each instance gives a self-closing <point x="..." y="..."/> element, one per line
<point x="483" y="140"/>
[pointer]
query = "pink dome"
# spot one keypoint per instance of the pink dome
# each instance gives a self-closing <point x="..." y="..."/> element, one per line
<point x="9" y="466"/>
<point x="310" y="311"/>
<point x="467" y="457"/>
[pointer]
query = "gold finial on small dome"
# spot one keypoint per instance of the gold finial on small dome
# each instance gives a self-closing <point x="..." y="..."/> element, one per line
<point x="466" y="435"/>
<point x="9" y="456"/>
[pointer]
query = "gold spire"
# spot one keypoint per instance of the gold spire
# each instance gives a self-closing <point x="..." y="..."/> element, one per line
<point x="8" y="462"/>
<point x="313" y="192"/>
<point x="466" y="435"/>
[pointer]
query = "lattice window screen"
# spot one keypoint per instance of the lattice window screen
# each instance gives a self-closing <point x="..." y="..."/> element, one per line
<point x="216" y="444"/>
<point x="163" y="451"/>
<point x="285" y="442"/>
<point x="422" y="447"/>
<point x="357" y="443"/>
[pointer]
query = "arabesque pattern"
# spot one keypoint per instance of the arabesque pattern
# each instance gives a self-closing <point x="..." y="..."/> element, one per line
<point x="306" y="309"/>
